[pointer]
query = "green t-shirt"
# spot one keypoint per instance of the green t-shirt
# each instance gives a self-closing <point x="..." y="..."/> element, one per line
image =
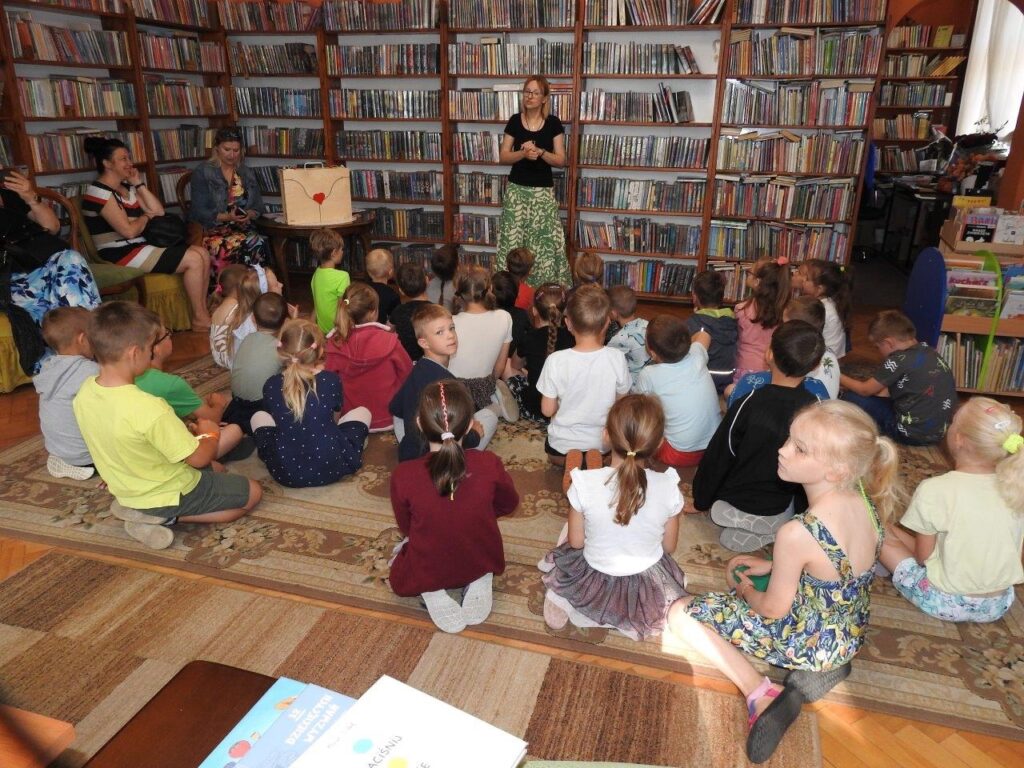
<point x="174" y="389"/>
<point x="328" y="286"/>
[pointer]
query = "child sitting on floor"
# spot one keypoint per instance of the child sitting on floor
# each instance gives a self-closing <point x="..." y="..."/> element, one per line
<point x="145" y="454"/>
<point x="829" y="283"/>
<point x="912" y="393"/>
<point x="329" y="283"/>
<point x="708" y="294"/>
<point x="758" y="316"/>
<point x="678" y="376"/>
<point x="737" y="478"/>
<point x="367" y="356"/>
<point x="232" y="321"/>
<point x="380" y="266"/>
<point x="956" y="553"/>
<point x="631" y="338"/>
<point x="58" y="381"/>
<point x="447" y="505"/>
<point x="812" y="618"/>
<point x="412" y="284"/>
<point x="256" y="361"/>
<point x="519" y="263"/>
<point x="300" y="436"/>
<point x="223" y="306"/>
<point x="444" y="266"/>
<point x="616" y="568"/>
<point x="505" y="290"/>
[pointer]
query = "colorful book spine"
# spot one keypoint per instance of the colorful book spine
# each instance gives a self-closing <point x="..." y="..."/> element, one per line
<point x="639" y="235"/>
<point x="43" y="42"/>
<point x="404" y="223"/>
<point x="372" y="15"/>
<point x="389" y="145"/>
<point x="379" y="104"/>
<point x="401" y="186"/>
<point x="64" y="150"/>
<point x="192" y="12"/>
<point x="287" y="59"/>
<point x="390" y="59"/>
<point x="239" y="16"/>
<point x="60" y="96"/>
<point x="273" y="140"/>
<point x="808" y="11"/>
<point x="685" y="196"/>
<point x="277" y="102"/>
<point x="494" y="58"/>
<point x="511" y="14"/>
<point x="186" y="142"/>
<point x="181" y="97"/>
<point x="181" y="52"/>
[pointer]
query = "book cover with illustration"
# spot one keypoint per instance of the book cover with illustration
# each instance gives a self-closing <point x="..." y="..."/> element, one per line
<point x="264" y="713"/>
<point x="394" y="724"/>
<point x="308" y="717"/>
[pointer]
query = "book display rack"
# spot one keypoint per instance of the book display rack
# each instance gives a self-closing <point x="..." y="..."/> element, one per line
<point x="699" y="133"/>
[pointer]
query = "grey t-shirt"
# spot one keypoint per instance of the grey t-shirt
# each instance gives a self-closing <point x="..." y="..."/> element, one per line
<point x="57" y="383"/>
<point x="255" y="361"/>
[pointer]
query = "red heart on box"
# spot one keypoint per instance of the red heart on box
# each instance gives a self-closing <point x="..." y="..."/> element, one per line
<point x="319" y="197"/>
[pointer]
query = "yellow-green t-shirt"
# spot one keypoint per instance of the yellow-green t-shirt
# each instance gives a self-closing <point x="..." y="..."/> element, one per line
<point x="328" y="285"/>
<point x="137" y="444"/>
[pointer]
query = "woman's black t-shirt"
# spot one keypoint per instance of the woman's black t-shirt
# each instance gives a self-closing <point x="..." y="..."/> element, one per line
<point x="533" y="173"/>
<point x="17" y="228"/>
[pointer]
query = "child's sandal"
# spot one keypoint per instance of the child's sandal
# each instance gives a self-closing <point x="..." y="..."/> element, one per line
<point x="768" y="728"/>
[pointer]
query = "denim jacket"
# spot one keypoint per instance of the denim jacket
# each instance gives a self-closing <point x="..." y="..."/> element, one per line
<point x="210" y="193"/>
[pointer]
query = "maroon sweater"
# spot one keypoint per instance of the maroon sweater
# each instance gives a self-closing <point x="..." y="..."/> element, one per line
<point x="451" y="543"/>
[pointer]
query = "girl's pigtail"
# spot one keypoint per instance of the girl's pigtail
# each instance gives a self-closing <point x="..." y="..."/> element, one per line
<point x="631" y="488"/>
<point x="636" y="426"/>
<point x="445" y="418"/>
<point x="300" y="348"/>
<point x="882" y="481"/>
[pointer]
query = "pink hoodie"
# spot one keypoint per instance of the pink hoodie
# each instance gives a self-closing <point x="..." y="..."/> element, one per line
<point x="372" y="365"/>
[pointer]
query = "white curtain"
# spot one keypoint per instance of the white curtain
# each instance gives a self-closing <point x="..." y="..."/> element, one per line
<point x="994" y="82"/>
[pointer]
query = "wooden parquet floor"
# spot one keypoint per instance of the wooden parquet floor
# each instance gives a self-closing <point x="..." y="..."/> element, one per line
<point x="850" y="737"/>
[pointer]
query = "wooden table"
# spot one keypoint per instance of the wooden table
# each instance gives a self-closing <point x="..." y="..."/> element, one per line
<point x="279" y="233"/>
<point x="28" y="740"/>
<point x="186" y="719"/>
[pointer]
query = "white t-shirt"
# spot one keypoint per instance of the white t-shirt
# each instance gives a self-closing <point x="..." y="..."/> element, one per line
<point x="587" y="385"/>
<point x="623" y="550"/>
<point x="481" y="337"/>
<point x="979" y="537"/>
<point x="834" y="333"/>
<point x="827" y="373"/>
<point x="688" y="397"/>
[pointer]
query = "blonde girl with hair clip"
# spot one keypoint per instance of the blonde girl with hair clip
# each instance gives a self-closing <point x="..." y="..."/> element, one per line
<point x="447" y="504"/>
<point x="812" y="616"/>
<point x="232" y="320"/>
<point x="299" y="435"/>
<point x="956" y="553"/>
<point x="367" y="356"/>
<point x="615" y="568"/>
<point x="223" y="305"/>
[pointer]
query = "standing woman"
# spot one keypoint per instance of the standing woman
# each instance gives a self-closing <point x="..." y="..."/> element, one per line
<point x="225" y="202"/>
<point x="118" y="206"/>
<point x="533" y="144"/>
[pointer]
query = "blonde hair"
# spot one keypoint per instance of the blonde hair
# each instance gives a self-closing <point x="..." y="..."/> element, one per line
<point x="247" y="291"/>
<point x="986" y="425"/>
<point x="636" y="427"/>
<point x="378" y="262"/>
<point x="227" y="284"/>
<point x="355" y="307"/>
<point x="847" y="440"/>
<point x="473" y="286"/>
<point x="587" y="310"/>
<point x="301" y="349"/>
<point x="545" y="88"/>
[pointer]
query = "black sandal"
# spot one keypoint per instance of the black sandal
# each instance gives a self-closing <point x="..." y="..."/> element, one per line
<point x="771" y="725"/>
<point x="814" y="685"/>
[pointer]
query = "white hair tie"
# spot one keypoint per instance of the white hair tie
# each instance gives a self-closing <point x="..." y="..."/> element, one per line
<point x="447" y="436"/>
<point x="262" y="275"/>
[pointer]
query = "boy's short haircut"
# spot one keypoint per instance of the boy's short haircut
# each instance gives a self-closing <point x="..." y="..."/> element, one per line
<point x="808" y="309"/>
<point x="324" y="242"/>
<point x="62" y="325"/>
<point x="588" y="268"/>
<point x="588" y="310"/>
<point x="892" y="324"/>
<point x="623" y="299"/>
<point x="797" y="348"/>
<point x="519" y="262"/>
<point x="270" y="311"/>
<point x="411" y="278"/>
<point x="709" y="288"/>
<point x="668" y="338"/>
<point x="378" y="262"/>
<point x="118" y="325"/>
<point x="505" y="289"/>
<point x="425" y="315"/>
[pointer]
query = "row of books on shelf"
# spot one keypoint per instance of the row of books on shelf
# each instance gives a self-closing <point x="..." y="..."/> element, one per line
<point x="286" y="59"/>
<point x="421" y="254"/>
<point x="638" y="13"/>
<point x="475" y="228"/>
<point x="303" y="726"/>
<point x="895" y="159"/>
<point x="489" y="188"/>
<point x="664" y="106"/>
<point x="921" y="65"/>
<point x="647" y="151"/>
<point x="388" y="59"/>
<point x="784" y="197"/>
<point x="915" y="95"/>
<point x="925" y="36"/>
<point x="797" y="103"/>
<point x="965" y="356"/>
<point x="650" y="276"/>
<point x="788" y="152"/>
<point x="256" y="17"/>
<point x="271" y="140"/>
<point x="917" y="125"/>
<point x="399" y="15"/>
<point x="181" y="52"/>
<point x="192" y="12"/>
<point x="501" y="101"/>
<point x="511" y="14"/>
<point x="635" y="58"/>
<point x="81" y="45"/>
<point x="64" y="150"/>
<point x="385" y="104"/>
<point x="403" y="223"/>
<point x="182" y="143"/>
<point x="808" y="11"/>
<point x="169" y="177"/>
<point x="805" y="51"/>
<point x="271" y="102"/>
<point x="482" y="146"/>
<point x="76" y="97"/>
<point x="638" y="235"/>
<point x="397" y="185"/>
<point x="679" y="196"/>
<point x="182" y="97"/>
<point x="491" y="57"/>
<point x="750" y="241"/>
<point x="395" y="145"/>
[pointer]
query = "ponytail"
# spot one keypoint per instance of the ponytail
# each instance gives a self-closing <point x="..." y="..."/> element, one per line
<point x="227" y="285"/>
<point x="836" y="284"/>
<point x="445" y="414"/>
<point x="247" y="291"/>
<point x="881" y="483"/>
<point x="549" y="304"/>
<point x="358" y="305"/>
<point x="300" y="349"/>
<point x="771" y="294"/>
<point x="992" y="432"/>
<point x="636" y="427"/>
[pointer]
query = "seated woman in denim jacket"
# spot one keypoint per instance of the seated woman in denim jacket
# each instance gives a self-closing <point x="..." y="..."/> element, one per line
<point x="225" y="202"/>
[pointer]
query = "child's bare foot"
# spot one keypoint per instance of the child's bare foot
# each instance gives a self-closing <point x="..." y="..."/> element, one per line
<point x="554" y="617"/>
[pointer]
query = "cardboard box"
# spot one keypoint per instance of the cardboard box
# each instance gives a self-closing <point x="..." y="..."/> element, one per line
<point x="951" y="236"/>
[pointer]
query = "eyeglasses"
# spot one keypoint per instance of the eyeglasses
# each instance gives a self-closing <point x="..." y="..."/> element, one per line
<point x="533" y="93"/>
<point x="158" y="342"/>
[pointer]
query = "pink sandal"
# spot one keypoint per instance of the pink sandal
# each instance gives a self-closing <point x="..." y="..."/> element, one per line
<point x="764" y="689"/>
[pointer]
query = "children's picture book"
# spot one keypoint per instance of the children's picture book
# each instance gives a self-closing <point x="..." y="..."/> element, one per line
<point x="265" y="712"/>
<point x="972" y="300"/>
<point x="305" y="721"/>
<point x="395" y="724"/>
<point x="1013" y="305"/>
<point x="1009" y="230"/>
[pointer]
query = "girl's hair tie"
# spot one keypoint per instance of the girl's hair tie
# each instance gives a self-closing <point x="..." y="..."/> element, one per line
<point x="1013" y="443"/>
<point x="447" y="436"/>
<point x="261" y="275"/>
<point x="218" y="289"/>
<point x="782" y="261"/>
<point x="346" y="302"/>
<point x="444" y="413"/>
<point x="294" y="359"/>
<point x="279" y="344"/>
<point x="1002" y="424"/>
<point x="631" y="454"/>
<point x="313" y="345"/>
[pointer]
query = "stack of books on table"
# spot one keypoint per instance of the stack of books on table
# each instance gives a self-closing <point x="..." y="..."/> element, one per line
<point x="307" y="726"/>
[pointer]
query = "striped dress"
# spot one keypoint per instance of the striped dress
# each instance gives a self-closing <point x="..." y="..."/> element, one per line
<point x="111" y="246"/>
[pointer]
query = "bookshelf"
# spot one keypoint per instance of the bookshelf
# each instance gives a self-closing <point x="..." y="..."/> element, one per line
<point x="923" y="72"/>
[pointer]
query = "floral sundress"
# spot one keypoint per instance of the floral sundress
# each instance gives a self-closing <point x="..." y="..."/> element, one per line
<point x="826" y="625"/>
<point x="232" y="242"/>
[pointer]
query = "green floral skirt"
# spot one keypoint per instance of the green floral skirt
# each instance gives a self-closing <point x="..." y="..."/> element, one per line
<point x="529" y="218"/>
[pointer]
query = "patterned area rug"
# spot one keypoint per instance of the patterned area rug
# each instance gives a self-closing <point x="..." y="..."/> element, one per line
<point x="90" y="643"/>
<point x="333" y="543"/>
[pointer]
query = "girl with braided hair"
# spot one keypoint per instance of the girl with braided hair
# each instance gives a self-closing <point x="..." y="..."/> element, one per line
<point x="447" y="505"/>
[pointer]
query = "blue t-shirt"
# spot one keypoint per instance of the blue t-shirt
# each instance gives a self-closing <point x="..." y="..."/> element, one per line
<point x="759" y="379"/>
<point x="688" y="397"/>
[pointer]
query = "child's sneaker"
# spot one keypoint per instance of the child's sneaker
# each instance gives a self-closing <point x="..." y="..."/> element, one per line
<point x="478" y="600"/>
<point x="154" y="535"/>
<point x="736" y="540"/>
<point x="573" y="460"/>
<point x="129" y="515"/>
<point x="444" y="611"/>
<point x="506" y="401"/>
<point x="57" y="467"/>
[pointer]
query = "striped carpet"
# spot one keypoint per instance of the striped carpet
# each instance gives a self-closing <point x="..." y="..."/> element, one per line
<point x="333" y="544"/>
<point x="91" y="642"/>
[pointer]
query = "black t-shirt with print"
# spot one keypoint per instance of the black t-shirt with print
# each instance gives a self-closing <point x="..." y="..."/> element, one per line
<point x="533" y="173"/>
<point x="922" y="390"/>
